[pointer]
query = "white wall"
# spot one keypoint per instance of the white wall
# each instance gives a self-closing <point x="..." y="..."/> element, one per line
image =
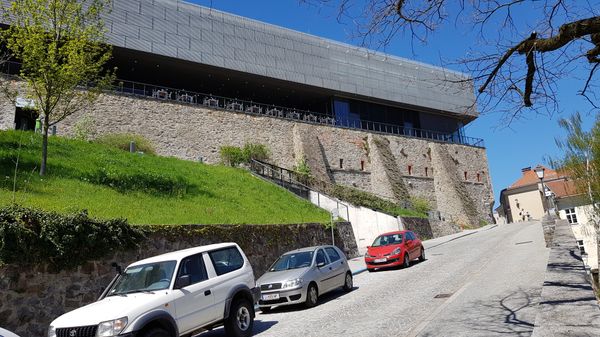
<point x="367" y="224"/>
<point x="584" y="228"/>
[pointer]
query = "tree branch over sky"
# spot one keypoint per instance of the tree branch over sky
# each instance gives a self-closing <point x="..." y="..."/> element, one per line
<point x="523" y="47"/>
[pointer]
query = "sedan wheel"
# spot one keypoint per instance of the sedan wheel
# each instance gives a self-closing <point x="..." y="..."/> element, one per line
<point x="312" y="295"/>
<point x="348" y="283"/>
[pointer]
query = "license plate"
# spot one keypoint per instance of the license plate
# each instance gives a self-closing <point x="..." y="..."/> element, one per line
<point x="270" y="297"/>
<point x="380" y="260"/>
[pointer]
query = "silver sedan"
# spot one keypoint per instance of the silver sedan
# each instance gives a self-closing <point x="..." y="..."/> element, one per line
<point x="302" y="275"/>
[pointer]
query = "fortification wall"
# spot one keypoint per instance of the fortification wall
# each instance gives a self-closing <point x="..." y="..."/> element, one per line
<point x="383" y="164"/>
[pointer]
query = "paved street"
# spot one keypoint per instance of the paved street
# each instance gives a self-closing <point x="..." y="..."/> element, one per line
<point x="489" y="281"/>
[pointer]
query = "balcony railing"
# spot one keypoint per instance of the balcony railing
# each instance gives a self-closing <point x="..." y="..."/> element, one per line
<point x="249" y="107"/>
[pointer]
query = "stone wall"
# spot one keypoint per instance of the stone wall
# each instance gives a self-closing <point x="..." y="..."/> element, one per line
<point x="420" y="226"/>
<point x="190" y="132"/>
<point x="31" y="297"/>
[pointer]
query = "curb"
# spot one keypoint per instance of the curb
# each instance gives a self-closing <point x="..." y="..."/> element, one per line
<point x="362" y="270"/>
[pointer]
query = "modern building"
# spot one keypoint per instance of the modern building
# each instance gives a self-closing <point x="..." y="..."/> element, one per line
<point x="192" y="79"/>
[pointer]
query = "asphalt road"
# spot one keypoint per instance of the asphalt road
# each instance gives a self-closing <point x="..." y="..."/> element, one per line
<point x="487" y="283"/>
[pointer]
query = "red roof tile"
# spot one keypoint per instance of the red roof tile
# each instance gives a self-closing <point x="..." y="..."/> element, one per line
<point x="529" y="177"/>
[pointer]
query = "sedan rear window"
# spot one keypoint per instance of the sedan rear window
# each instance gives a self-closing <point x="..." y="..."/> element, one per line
<point x="384" y="240"/>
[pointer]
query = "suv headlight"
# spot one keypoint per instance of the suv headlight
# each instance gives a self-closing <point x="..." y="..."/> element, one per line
<point x="292" y="283"/>
<point x="396" y="251"/>
<point x="51" y="331"/>
<point x="111" y="328"/>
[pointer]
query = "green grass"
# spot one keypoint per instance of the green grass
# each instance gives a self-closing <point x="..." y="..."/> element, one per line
<point x="145" y="189"/>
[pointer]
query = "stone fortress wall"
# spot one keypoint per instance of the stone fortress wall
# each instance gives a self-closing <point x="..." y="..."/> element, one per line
<point x="453" y="178"/>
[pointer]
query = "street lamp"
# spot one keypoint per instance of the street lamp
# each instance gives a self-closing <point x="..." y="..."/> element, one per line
<point x="539" y="171"/>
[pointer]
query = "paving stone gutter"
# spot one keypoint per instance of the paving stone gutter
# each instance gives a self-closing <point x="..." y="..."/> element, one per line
<point x="568" y="306"/>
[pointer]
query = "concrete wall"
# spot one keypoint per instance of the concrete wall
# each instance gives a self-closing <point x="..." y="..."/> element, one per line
<point x="367" y="224"/>
<point x="191" y="131"/>
<point x="32" y="296"/>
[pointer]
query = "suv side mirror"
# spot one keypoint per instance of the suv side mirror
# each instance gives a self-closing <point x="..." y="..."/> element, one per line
<point x="182" y="281"/>
<point x="320" y="264"/>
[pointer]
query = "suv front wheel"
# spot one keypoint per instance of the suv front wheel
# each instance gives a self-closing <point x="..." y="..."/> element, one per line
<point x="240" y="321"/>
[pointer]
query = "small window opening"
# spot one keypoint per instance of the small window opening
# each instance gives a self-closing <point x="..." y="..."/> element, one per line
<point x="341" y="163"/>
<point x="409" y="170"/>
<point x="466" y="178"/>
<point x="427" y="172"/>
<point x="479" y="177"/>
<point x="362" y="165"/>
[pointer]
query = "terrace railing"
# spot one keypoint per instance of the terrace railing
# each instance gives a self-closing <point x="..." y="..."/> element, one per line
<point x="249" y="107"/>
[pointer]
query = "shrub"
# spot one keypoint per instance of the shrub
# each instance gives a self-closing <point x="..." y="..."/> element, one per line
<point x="121" y="141"/>
<point x="84" y="128"/>
<point x="232" y="155"/>
<point x="255" y="151"/>
<point x="147" y="182"/>
<point x="30" y="236"/>
<point x="420" y="205"/>
<point x="303" y="171"/>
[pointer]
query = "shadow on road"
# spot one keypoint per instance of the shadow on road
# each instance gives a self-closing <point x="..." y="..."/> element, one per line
<point x="513" y="314"/>
<point x="259" y="327"/>
<point x="330" y="296"/>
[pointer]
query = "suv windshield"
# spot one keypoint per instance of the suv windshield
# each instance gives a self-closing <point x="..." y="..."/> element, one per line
<point x="144" y="278"/>
<point x="384" y="240"/>
<point x="293" y="261"/>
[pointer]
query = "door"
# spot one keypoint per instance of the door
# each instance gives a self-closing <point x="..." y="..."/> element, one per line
<point x="412" y="244"/>
<point x="338" y="267"/>
<point x="195" y="303"/>
<point x="324" y="273"/>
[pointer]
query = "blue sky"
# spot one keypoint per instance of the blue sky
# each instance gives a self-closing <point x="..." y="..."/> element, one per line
<point x="526" y="142"/>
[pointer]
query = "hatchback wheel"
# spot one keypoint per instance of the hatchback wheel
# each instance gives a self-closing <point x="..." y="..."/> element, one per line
<point x="312" y="295"/>
<point x="422" y="257"/>
<point x="348" y="283"/>
<point x="406" y="263"/>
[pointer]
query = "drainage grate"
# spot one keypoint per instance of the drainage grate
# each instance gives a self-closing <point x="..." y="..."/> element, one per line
<point x="523" y="242"/>
<point x="442" y="295"/>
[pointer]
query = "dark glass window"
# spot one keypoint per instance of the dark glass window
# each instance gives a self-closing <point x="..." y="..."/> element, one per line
<point x="321" y="257"/>
<point x="193" y="266"/>
<point x="226" y="260"/>
<point x="333" y="254"/>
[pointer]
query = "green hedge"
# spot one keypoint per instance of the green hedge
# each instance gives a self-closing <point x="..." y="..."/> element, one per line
<point x="121" y="141"/>
<point x="31" y="237"/>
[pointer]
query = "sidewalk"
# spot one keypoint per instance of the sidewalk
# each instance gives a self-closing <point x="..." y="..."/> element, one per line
<point x="357" y="265"/>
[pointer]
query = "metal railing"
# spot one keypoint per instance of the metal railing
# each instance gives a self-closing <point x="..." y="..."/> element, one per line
<point x="249" y="107"/>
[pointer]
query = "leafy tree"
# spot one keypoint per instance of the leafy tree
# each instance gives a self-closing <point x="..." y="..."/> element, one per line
<point x="521" y="47"/>
<point x="62" y="50"/>
<point x="581" y="159"/>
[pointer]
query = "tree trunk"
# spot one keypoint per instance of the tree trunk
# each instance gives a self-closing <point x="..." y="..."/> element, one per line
<point x="45" y="128"/>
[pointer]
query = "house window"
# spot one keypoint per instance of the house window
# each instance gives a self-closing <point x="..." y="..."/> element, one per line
<point x="362" y="165"/>
<point x="341" y="163"/>
<point x="409" y="170"/>
<point x="571" y="216"/>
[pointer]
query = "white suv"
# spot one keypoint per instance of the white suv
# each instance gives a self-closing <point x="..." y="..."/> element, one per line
<point x="171" y="295"/>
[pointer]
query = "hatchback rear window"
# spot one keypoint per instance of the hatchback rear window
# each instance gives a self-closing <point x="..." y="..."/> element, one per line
<point x="226" y="260"/>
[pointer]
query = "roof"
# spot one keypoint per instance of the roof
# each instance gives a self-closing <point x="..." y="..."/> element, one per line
<point x="529" y="177"/>
<point x="563" y="188"/>
<point x="395" y="232"/>
<point x="179" y="254"/>
<point x="306" y="249"/>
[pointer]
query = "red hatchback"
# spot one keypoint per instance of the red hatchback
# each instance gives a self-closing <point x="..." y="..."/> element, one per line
<point x="394" y="249"/>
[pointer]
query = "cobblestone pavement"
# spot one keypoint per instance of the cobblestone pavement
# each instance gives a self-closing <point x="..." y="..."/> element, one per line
<point x="479" y="283"/>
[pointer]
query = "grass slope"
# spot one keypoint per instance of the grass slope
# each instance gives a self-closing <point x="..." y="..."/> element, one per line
<point x="145" y="189"/>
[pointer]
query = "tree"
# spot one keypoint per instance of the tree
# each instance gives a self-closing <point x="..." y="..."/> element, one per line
<point x="581" y="160"/>
<point x="61" y="47"/>
<point x="525" y="46"/>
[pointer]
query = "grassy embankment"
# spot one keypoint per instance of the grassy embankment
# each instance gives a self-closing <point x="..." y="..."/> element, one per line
<point x="144" y="189"/>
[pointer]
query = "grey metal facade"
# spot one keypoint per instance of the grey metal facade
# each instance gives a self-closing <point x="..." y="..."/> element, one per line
<point x="194" y="33"/>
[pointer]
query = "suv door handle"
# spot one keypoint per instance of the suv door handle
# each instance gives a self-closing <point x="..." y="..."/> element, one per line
<point x="206" y="293"/>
